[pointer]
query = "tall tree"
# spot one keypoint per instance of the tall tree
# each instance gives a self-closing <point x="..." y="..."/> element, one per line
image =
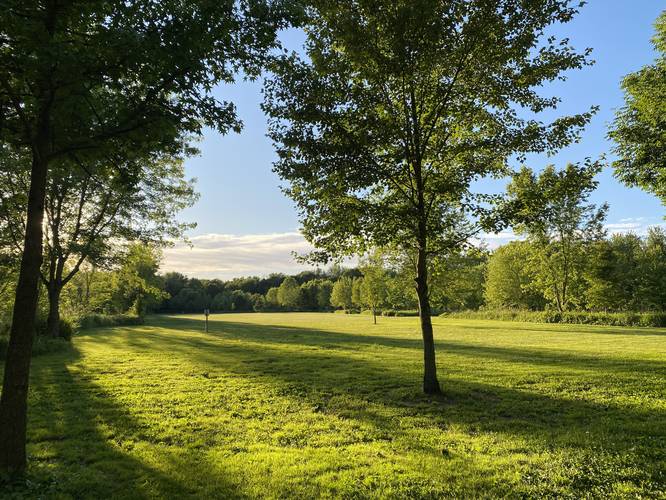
<point x="653" y="271"/>
<point x="552" y="209"/>
<point x="399" y="107"/>
<point x="639" y="130"/>
<point x="85" y="79"/>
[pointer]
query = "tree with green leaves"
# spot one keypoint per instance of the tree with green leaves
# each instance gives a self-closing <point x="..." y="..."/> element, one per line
<point x="639" y="129"/>
<point x="272" y="297"/>
<point x="289" y="293"/>
<point x="399" y="107"/>
<point x="613" y="273"/>
<point x="324" y="295"/>
<point x="652" y="294"/>
<point x="136" y="286"/>
<point x="374" y="287"/>
<point x="509" y="278"/>
<point x="552" y="209"/>
<point x="341" y="294"/>
<point x="356" y="297"/>
<point x="458" y="279"/>
<point x="86" y="80"/>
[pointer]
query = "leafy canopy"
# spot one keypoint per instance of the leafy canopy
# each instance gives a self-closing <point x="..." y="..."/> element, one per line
<point x="639" y="130"/>
<point x="400" y="105"/>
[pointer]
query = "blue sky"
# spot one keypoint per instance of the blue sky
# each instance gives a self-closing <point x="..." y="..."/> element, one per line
<point x="247" y="226"/>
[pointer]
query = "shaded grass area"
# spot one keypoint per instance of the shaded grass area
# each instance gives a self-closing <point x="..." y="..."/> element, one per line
<point x="305" y="405"/>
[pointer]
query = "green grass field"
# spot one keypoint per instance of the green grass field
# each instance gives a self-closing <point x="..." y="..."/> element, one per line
<point x="306" y="405"/>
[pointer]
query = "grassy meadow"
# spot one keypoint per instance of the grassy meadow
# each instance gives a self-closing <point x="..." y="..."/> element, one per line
<point x="305" y="404"/>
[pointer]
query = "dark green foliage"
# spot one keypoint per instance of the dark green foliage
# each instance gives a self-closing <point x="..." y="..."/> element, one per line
<point x="105" y="320"/>
<point x="647" y="319"/>
<point x="404" y="312"/>
<point x="41" y="345"/>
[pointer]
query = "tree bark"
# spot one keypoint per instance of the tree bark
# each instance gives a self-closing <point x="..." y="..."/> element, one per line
<point x="430" y="382"/>
<point x="53" y="321"/>
<point x="13" y="401"/>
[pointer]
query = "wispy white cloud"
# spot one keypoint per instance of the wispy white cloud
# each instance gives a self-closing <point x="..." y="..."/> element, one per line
<point x="624" y="227"/>
<point x="638" y="226"/>
<point x="227" y="256"/>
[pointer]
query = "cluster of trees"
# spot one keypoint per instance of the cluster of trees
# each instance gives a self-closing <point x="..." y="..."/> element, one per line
<point x="623" y="272"/>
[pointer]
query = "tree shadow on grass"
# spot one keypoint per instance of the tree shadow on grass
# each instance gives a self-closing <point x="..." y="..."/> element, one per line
<point x="365" y="378"/>
<point x="322" y="339"/>
<point x="317" y="365"/>
<point x="80" y="443"/>
<point x="327" y="361"/>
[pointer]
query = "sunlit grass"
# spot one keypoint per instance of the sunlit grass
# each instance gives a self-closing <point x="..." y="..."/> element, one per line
<point x="305" y="405"/>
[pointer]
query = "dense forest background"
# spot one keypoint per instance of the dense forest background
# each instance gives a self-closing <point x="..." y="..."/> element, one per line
<point x="620" y="273"/>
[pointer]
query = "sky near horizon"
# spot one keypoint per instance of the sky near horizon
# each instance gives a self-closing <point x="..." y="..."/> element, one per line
<point x="246" y="226"/>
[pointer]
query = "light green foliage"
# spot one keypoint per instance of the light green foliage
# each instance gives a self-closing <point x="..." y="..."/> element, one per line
<point x="552" y="209"/>
<point x="357" y="292"/>
<point x="272" y="296"/>
<point x="341" y="294"/>
<point x="135" y="284"/>
<point x="374" y="290"/>
<point x="639" y="130"/>
<point x="289" y="293"/>
<point x="319" y="405"/>
<point x="509" y="278"/>
<point x="458" y="279"/>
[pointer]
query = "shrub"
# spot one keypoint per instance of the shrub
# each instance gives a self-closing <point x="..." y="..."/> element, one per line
<point x="398" y="312"/>
<point x="41" y="345"/>
<point x="409" y="312"/>
<point x="651" y="319"/>
<point x="100" y="320"/>
<point x="66" y="329"/>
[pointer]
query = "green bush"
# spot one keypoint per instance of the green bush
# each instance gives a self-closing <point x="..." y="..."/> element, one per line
<point x="101" y="320"/>
<point x="41" y="345"/>
<point x="652" y="319"/>
<point x="66" y="329"/>
<point x="397" y="312"/>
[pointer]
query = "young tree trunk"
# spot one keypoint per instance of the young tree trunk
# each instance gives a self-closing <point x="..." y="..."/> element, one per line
<point x="430" y="382"/>
<point x="374" y="315"/>
<point x="13" y="401"/>
<point x="53" y="321"/>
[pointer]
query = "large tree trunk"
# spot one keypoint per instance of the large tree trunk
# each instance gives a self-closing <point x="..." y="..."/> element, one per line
<point x="53" y="321"/>
<point x="430" y="382"/>
<point x="13" y="401"/>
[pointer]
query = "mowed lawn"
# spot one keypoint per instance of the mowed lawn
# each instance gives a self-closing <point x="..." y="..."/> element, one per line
<point x="304" y="405"/>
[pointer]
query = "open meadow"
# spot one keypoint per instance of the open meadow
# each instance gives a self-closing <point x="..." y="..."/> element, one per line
<point x="315" y="404"/>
